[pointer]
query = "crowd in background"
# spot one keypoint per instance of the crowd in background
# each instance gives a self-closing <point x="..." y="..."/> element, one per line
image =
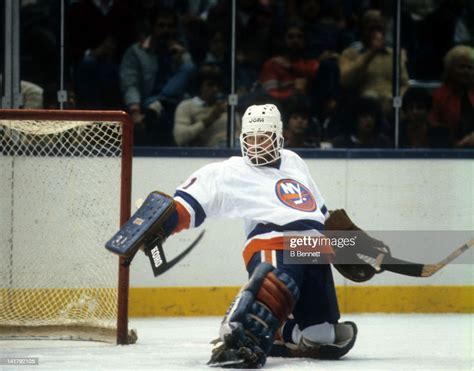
<point x="327" y="65"/>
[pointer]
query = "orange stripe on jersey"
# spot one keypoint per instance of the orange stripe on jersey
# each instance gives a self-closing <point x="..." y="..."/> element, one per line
<point x="184" y="219"/>
<point x="268" y="256"/>
<point x="267" y="245"/>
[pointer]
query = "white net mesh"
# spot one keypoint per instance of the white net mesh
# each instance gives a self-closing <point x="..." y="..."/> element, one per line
<point x="59" y="202"/>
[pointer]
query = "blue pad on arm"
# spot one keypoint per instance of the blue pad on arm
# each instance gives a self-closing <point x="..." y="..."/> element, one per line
<point x="144" y="225"/>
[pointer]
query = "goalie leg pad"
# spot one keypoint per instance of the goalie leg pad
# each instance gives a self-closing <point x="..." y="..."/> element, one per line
<point x="345" y="338"/>
<point x="248" y="330"/>
<point x="155" y="218"/>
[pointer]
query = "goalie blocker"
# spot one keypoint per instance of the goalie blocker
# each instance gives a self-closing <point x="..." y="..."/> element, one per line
<point x="147" y="230"/>
<point x="151" y="224"/>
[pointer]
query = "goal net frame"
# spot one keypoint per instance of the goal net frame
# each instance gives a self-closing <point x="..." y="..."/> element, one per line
<point x="123" y="335"/>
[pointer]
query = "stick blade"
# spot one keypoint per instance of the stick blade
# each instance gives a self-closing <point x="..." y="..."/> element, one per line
<point x="430" y="269"/>
<point x="164" y="266"/>
<point x="407" y="268"/>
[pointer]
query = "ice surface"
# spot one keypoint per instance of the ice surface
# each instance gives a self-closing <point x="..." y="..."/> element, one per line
<point x="385" y="342"/>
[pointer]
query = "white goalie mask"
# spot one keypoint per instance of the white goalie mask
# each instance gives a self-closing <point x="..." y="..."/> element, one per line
<point x="261" y="139"/>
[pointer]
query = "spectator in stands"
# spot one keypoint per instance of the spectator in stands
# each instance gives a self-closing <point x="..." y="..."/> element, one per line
<point x="419" y="24"/>
<point x="201" y="121"/>
<point x="247" y="71"/>
<point x="143" y="11"/>
<point x="217" y="52"/>
<point x="31" y="94"/>
<point x="365" y="126"/>
<point x="97" y="34"/>
<point x="155" y="75"/>
<point x="366" y="66"/>
<point x="415" y="129"/>
<point x="325" y="27"/>
<point x="39" y="49"/>
<point x="247" y="67"/>
<point x="464" y="25"/>
<point x="326" y="35"/>
<point x="300" y="129"/>
<point x="197" y="8"/>
<point x="255" y="23"/>
<point x="91" y="23"/>
<point x="97" y="77"/>
<point x="289" y="75"/>
<point x="196" y="34"/>
<point x="453" y="102"/>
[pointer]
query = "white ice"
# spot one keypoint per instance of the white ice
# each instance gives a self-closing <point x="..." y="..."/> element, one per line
<point x="385" y="342"/>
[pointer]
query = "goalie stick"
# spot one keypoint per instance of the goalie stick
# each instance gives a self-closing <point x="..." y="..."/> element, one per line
<point x="407" y="268"/>
<point x="154" y="250"/>
<point x="156" y="255"/>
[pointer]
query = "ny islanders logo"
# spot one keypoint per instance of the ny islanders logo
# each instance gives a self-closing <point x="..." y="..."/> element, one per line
<point x="295" y="195"/>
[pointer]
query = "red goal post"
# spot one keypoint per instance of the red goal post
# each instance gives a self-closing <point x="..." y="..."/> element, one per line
<point x="65" y="189"/>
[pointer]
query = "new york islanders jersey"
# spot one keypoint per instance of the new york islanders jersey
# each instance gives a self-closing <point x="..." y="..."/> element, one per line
<point x="270" y="200"/>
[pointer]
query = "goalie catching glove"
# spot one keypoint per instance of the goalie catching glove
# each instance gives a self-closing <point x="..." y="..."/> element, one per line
<point x="362" y="261"/>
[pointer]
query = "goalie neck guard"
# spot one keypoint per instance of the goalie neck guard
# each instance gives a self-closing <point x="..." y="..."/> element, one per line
<point x="261" y="139"/>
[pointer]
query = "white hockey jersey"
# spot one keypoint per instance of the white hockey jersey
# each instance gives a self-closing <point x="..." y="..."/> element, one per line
<point x="270" y="200"/>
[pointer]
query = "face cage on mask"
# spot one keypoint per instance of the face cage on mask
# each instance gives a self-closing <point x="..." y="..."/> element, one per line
<point x="263" y="153"/>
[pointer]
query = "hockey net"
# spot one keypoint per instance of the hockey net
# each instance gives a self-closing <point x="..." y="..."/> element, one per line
<point x="64" y="190"/>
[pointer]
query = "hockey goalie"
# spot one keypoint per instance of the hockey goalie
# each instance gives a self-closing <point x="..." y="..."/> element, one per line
<point x="288" y="310"/>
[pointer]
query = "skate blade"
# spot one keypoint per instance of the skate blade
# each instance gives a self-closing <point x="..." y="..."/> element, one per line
<point x="228" y="364"/>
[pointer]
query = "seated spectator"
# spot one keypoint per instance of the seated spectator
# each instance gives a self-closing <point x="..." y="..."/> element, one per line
<point x="254" y="20"/>
<point x="247" y="67"/>
<point x="201" y="121"/>
<point x="97" y="34"/>
<point x="31" y="94"/>
<point x="39" y="51"/>
<point x="366" y="66"/>
<point x="464" y="25"/>
<point x="97" y="77"/>
<point x="329" y="122"/>
<point x="197" y="8"/>
<point x="142" y="21"/>
<point x="300" y="130"/>
<point x="89" y="24"/>
<point x="425" y="33"/>
<point x="325" y="26"/>
<point x="415" y="129"/>
<point x="364" y="130"/>
<point x="289" y="74"/>
<point x="453" y="101"/>
<point x="155" y="75"/>
<point x="217" y="54"/>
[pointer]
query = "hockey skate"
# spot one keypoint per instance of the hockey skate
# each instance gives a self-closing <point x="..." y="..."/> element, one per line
<point x="237" y="350"/>
<point x="346" y="334"/>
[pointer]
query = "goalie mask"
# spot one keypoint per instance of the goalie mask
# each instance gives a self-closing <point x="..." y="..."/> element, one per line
<point x="261" y="139"/>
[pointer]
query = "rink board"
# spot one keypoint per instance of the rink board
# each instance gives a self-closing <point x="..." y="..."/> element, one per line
<point x="379" y="194"/>
<point x="214" y="301"/>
